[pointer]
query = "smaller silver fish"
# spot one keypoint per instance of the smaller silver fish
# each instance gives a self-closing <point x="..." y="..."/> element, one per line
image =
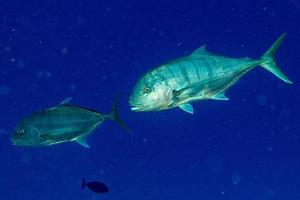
<point x="62" y="123"/>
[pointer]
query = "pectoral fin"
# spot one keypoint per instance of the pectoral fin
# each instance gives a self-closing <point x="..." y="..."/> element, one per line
<point x="187" y="108"/>
<point x="220" y="96"/>
<point x="83" y="142"/>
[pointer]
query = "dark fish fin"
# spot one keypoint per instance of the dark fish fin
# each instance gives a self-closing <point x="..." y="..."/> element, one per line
<point x="83" y="142"/>
<point x="82" y="183"/>
<point x="65" y="101"/>
<point x="268" y="61"/>
<point x="114" y="115"/>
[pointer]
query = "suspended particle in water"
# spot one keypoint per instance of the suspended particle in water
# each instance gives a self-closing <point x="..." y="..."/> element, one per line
<point x="80" y="20"/>
<point x="73" y="87"/>
<point x="20" y="64"/>
<point x="44" y="74"/>
<point x="7" y="49"/>
<point x="269" y="148"/>
<point x="64" y="50"/>
<point x="25" y="158"/>
<point x="4" y="90"/>
<point x="235" y="178"/>
<point x="2" y="131"/>
<point x="104" y="77"/>
<point x="114" y="75"/>
<point x="262" y="100"/>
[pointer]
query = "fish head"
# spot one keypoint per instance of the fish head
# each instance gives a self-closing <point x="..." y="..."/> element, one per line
<point x="25" y="134"/>
<point x="150" y="94"/>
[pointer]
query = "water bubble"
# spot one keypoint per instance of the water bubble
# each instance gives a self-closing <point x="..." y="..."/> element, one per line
<point x="235" y="178"/>
<point x="4" y="90"/>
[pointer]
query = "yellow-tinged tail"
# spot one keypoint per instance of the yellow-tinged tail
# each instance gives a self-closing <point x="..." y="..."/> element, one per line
<point x="268" y="61"/>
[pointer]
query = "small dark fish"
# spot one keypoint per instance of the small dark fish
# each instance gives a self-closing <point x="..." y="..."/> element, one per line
<point x="62" y="123"/>
<point x="95" y="186"/>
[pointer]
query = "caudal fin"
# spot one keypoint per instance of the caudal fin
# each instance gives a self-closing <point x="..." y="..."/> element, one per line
<point x="114" y="115"/>
<point x="268" y="61"/>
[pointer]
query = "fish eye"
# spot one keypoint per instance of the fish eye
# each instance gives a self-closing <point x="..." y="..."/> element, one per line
<point x="20" y="132"/>
<point x="146" y="90"/>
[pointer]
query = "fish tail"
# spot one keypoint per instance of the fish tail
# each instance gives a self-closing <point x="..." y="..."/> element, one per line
<point x="268" y="60"/>
<point x="82" y="183"/>
<point x="114" y="115"/>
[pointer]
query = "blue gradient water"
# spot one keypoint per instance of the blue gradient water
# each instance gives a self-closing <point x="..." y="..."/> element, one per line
<point x="243" y="149"/>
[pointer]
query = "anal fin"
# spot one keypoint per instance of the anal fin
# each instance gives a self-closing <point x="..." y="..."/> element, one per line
<point x="220" y="96"/>
<point x="83" y="142"/>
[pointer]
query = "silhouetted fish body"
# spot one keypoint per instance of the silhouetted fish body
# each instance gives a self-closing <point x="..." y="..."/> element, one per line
<point x="95" y="186"/>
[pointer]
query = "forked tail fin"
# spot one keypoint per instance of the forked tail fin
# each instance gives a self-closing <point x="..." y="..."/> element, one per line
<point x="114" y="115"/>
<point x="268" y="61"/>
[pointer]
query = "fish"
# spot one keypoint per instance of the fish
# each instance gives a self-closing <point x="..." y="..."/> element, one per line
<point x="62" y="123"/>
<point x="201" y="75"/>
<point x="95" y="186"/>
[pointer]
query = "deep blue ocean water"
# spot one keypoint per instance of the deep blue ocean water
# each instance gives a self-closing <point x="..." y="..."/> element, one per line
<point x="243" y="149"/>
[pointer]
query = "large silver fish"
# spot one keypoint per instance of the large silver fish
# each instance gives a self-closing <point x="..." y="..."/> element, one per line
<point x="62" y="123"/>
<point x="199" y="76"/>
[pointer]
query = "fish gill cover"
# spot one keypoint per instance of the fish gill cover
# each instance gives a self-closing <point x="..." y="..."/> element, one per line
<point x="245" y="148"/>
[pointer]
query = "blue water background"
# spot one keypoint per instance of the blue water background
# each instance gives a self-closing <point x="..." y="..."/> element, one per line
<point x="243" y="149"/>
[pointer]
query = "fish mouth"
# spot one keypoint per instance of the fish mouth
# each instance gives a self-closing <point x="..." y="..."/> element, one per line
<point x="136" y="108"/>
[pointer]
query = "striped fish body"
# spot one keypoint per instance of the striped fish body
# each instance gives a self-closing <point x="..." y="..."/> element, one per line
<point x="62" y="123"/>
<point x="65" y="123"/>
<point x="59" y="124"/>
<point x="201" y="75"/>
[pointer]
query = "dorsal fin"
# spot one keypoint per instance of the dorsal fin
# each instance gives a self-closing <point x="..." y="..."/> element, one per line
<point x="199" y="51"/>
<point x="82" y="108"/>
<point x="65" y="101"/>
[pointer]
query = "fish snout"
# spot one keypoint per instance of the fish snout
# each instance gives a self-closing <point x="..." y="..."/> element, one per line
<point x="133" y="104"/>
